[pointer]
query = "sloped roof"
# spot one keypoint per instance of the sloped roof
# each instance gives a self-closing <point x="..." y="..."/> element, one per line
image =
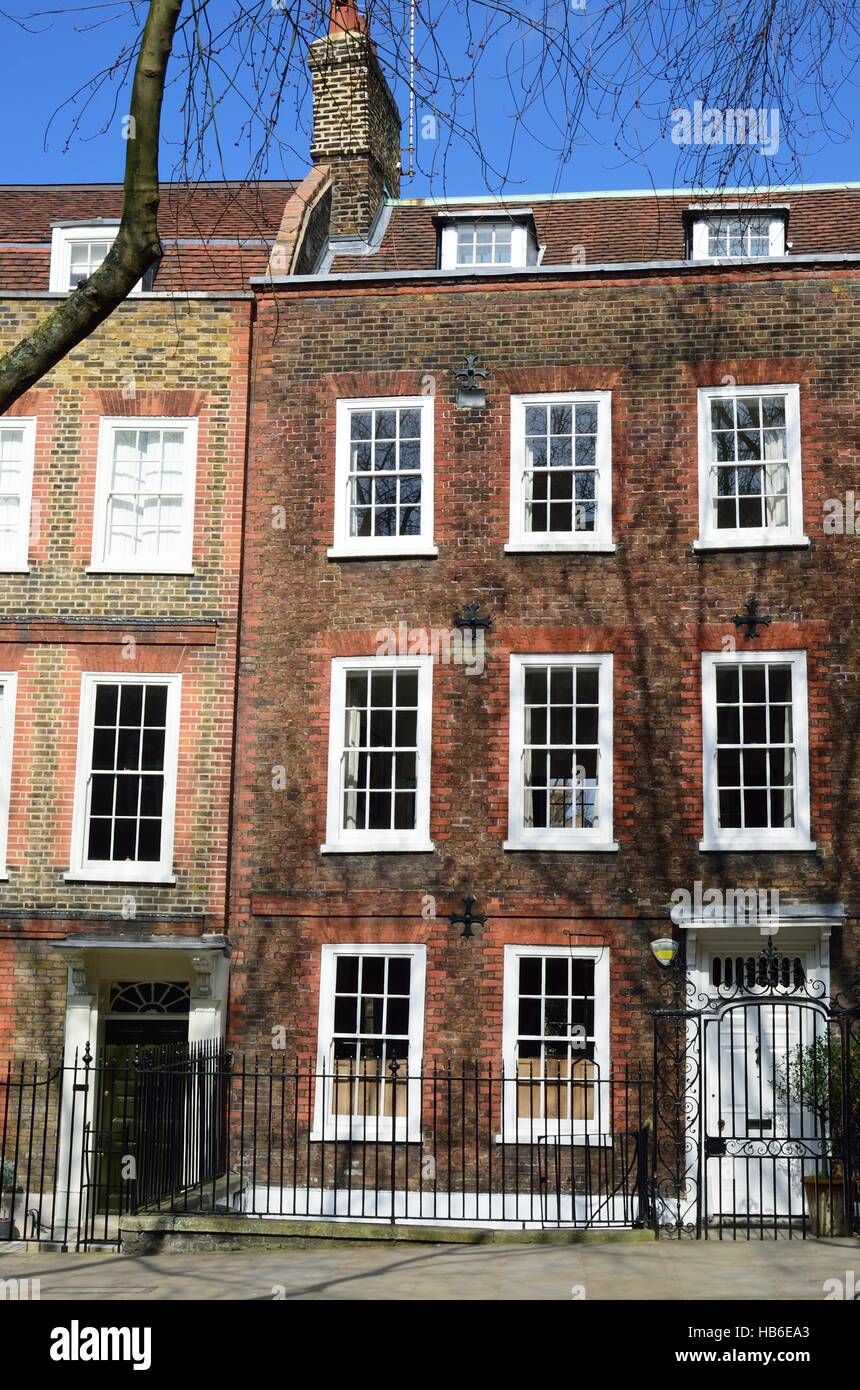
<point x="215" y="235"/>
<point x="601" y="228"/>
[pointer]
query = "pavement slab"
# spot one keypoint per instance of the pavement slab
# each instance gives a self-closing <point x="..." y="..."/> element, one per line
<point x="663" y="1271"/>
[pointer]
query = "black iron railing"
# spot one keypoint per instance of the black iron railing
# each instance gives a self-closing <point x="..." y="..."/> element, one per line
<point x="465" y="1143"/>
<point x="203" y="1130"/>
<point x="199" y="1129"/>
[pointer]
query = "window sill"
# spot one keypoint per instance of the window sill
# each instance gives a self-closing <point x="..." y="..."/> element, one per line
<point x="755" y="844"/>
<point x="359" y="1135"/>
<point x="424" y="551"/>
<point x="172" y="570"/>
<point x="588" y="1138"/>
<point x="554" y="847"/>
<point x="14" y="569"/>
<point x="560" y="548"/>
<point x="371" y="847"/>
<point x="758" y="543"/>
<point x="95" y="876"/>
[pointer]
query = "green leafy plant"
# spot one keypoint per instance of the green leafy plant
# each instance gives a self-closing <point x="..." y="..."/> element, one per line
<point x="8" y="1177"/>
<point x="815" y="1076"/>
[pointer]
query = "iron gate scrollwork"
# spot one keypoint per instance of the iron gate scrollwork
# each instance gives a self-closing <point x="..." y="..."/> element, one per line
<point x="757" y="1104"/>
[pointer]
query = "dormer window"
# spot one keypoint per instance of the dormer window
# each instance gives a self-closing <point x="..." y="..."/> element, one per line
<point x="478" y="242"/>
<point x="484" y="243"/>
<point x="84" y="258"/>
<point x="77" y="250"/>
<point x="735" y="235"/>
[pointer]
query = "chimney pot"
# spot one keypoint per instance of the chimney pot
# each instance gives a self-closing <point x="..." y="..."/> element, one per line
<point x="346" y="18"/>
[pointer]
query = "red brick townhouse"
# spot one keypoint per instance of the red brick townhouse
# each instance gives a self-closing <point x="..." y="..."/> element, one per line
<point x="120" y="551"/>
<point x="612" y="422"/>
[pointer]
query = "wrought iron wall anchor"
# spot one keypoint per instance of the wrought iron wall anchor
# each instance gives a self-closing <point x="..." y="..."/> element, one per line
<point x="467" y="918"/>
<point x="470" y="393"/>
<point x="469" y="618"/>
<point x="752" y="618"/>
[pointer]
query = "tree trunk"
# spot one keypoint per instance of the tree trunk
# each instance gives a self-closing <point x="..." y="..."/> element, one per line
<point x="137" y="243"/>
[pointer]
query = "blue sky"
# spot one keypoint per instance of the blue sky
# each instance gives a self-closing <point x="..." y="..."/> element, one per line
<point x="45" y="64"/>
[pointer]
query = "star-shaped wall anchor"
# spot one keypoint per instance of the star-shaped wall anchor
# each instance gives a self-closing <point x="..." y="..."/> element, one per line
<point x="467" y="918"/>
<point x="752" y="618"/>
<point x="469" y="618"/>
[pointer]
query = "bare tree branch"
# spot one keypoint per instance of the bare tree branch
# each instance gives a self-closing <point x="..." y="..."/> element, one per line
<point x="137" y="243"/>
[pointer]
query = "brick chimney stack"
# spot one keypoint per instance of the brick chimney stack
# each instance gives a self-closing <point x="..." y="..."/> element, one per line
<point x="356" y="122"/>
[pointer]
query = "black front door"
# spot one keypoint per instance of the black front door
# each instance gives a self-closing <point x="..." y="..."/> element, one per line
<point x="116" y="1147"/>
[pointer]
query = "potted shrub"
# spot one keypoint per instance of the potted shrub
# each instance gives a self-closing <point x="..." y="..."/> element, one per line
<point x="7" y="1198"/>
<point x="815" y="1076"/>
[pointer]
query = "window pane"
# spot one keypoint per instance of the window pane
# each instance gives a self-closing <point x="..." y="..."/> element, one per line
<point x="125" y="810"/>
<point x="755" y="757"/>
<point x="346" y="978"/>
<point x="371" y="1030"/>
<point x="555" y="1039"/>
<point x="560" y="438"/>
<point x="749" y="430"/>
<point x="391" y="453"/>
<point x="146" y="504"/>
<point x="559" y="769"/>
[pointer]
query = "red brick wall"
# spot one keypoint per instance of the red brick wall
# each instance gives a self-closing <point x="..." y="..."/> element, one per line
<point x="58" y="621"/>
<point x="655" y="604"/>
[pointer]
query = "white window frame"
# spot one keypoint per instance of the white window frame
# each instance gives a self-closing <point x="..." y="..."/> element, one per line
<point x="19" y="562"/>
<point x="345" y="546"/>
<point x="181" y="562"/>
<point x="521" y="243"/>
<point x="522" y="837"/>
<point x="340" y="841"/>
<point x="570" y="1131"/>
<point x="9" y="684"/>
<point x="80" y="868"/>
<point x="329" y="1126"/>
<point x="712" y="537"/>
<point x="64" y="235"/>
<point x="798" y="837"/>
<point x="701" y="223"/>
<point x="600" y="539"/>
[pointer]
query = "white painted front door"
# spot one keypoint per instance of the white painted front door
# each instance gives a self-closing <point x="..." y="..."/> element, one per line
<point x="760" y="1136"/>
